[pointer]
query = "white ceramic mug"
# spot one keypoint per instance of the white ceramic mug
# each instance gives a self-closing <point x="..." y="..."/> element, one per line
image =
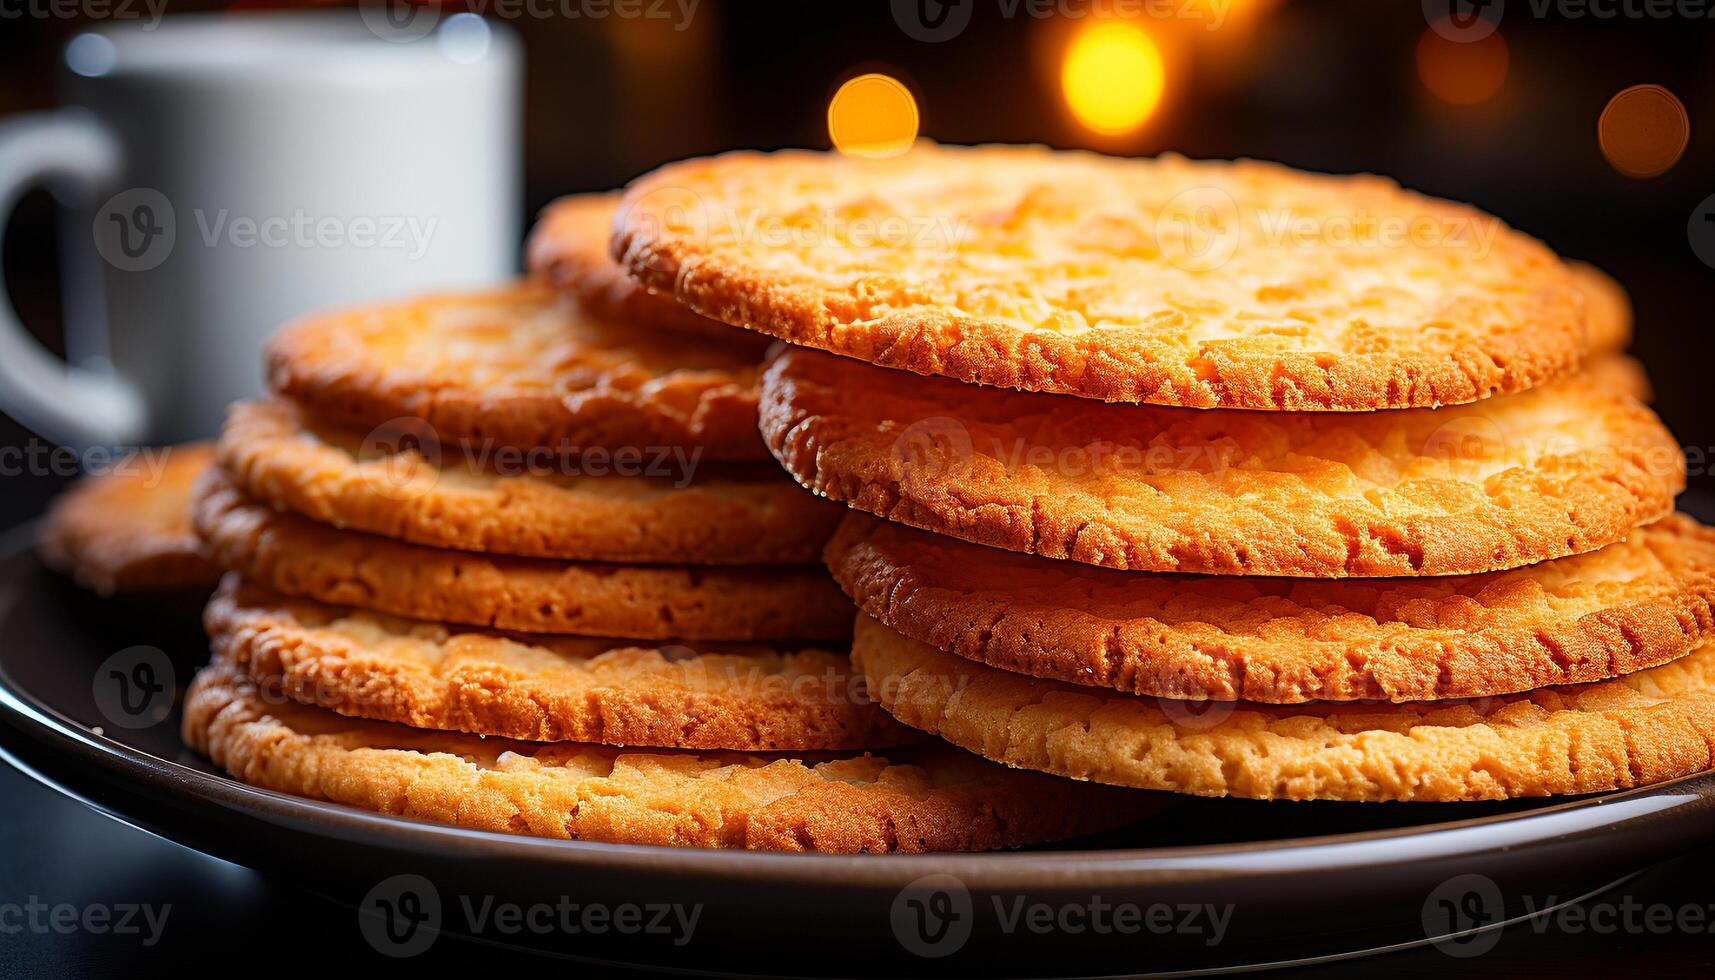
<point x="228" y="173"/>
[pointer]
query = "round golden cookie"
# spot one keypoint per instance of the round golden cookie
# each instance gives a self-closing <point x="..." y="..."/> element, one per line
<point x="518" y="367"/>
<point x="1635" y="604"/>
<point x="129" y="528"/>
<point x="569" y="246"/>
<point x="546" y="688"/>
<point x="1607" y="308"/>
<point x="297" y="556"/>
<point x="1208" y="284"/>
<point x="1558" y="470"/>
<point x="448" y="497"/>
<point x="926" y="798"/>
<point x="1645" y="728"/>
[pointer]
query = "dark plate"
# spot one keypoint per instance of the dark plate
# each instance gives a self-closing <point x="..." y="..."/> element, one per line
<point x="1288" y="882"/>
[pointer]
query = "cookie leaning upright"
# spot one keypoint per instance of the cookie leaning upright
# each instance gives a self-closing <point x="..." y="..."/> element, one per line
<point x="519" y="367"/>
<point x="1205" y="284"/>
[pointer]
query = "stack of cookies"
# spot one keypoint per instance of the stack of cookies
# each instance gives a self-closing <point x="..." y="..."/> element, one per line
<point x="1205" y="477"/>
<point x="518" y="561"/>
<point x="1214" y="478"/>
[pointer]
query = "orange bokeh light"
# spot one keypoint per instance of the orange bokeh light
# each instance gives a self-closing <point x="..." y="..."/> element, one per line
<point x="873" y="115"/>
<point x="1462" y="72"/>
<point x="1112" y="77"/>
<point x="1644" y="130"/>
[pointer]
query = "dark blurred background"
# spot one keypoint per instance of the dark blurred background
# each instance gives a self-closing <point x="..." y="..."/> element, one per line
<point x="1509" y="124"/>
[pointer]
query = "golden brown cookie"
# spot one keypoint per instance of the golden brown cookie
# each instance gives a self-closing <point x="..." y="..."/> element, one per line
<point x="1645" y="728"/>
<point x="1635" y="604"/>
<point x="1207" y="284"/>
<point x="517" y="367"/>
<point x="927" y="798"/>
<point x="1620" y="374"/>
<point x="546" y="688"/>
<point x="129" y="529"/>
<point x="1558" y="470"/>
<point x="569" y="246"/>
<point x="1607" y="308"/>
<point x="297" y="556"/>
<point x="447" y="497"/>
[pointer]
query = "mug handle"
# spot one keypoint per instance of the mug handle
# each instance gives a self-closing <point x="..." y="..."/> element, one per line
<point x="71" y="151"/>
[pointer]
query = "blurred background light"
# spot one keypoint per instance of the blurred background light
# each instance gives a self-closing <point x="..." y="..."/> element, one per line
<point x="1644" y="130"/>
<point x="1462" y="72"/>
<point x="464" y="38"/>
<point x="873" y="115"/>
<point x="1113" y="77"/>
<point x="91" y="55"/>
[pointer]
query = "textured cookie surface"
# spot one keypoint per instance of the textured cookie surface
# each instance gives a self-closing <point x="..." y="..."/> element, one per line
<point x="931" y="798"/>
<point x="569" y="245"/>
<point x="546" y="688"/>
<point x="1167" y="281"/>
<point x="519" y="368"/>
<point x="1558" y="470"/>
<point x="449" y="497"/>
<point x="1645" y="728"/>
<point x="129" y="530"/>
<point x="1635" y="604"/>
<point x="297" y="556"/>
